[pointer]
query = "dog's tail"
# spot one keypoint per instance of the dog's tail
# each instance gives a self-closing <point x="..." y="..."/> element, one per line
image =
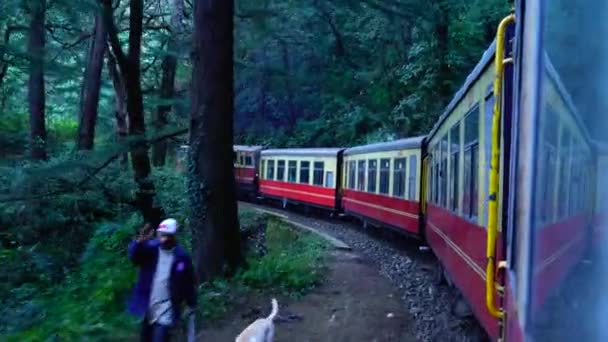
<point x="275" y="310"/>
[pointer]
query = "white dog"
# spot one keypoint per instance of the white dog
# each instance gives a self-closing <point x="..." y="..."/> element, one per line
<point x="262" y="330"/>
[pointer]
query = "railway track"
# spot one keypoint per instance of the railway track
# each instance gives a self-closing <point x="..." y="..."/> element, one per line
<point x="439" y="311"/>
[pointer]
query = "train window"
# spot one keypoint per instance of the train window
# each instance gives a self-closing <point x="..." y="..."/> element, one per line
<point x="489" y="112"/>
<point x="372" y="171"/>
<point x="352" y="174"/>
<point x="412" y="177"/>
<point x="454" y="166"/>
<point x="385" y="170"/>
<point x="329" y="179"/>
<point x="361" y="175"/>
<point x="270" y="170"/>
<point x="292" y="171"/>
<point x="434" y="195"/>
<point x="248" y="161"/>
<point x="263" y="173"/>
<point x="281" y="170"/>
<point x="471" y="163"/>
<point x="304" y="172"/>
<point x="475" y="181"/>
<point x="549" y="167"/>
<point x="399" y="177"/>
<point x="317" y="176"/>
<point x="444" y="172"/>
<point x="564" y="174"/>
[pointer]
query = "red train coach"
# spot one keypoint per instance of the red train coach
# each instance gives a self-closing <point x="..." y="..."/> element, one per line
<point x="246" y="161"/>
<point x="381" y="184"/>
<point x="303" y="175"/>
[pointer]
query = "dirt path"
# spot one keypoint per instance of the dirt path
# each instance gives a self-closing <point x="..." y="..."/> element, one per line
<point x="354" y="303"/>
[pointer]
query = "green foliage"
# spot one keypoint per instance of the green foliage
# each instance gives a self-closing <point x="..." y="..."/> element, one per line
<point x="89" y="302"/>
<point x="293" y="263"/>
<point x="362" y="71"/>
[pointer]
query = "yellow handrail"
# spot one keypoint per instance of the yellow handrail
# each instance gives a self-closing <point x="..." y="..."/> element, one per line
<point x="493" y="204"/>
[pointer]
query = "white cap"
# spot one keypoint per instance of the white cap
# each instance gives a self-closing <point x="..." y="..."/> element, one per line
<point x="168" y="226"/>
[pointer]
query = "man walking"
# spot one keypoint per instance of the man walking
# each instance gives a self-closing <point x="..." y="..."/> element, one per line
<point x="166" y="281"/>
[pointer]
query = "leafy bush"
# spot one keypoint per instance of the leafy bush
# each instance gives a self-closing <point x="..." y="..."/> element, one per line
<point x="90" y="302"/>
<point x="292" y="264"/>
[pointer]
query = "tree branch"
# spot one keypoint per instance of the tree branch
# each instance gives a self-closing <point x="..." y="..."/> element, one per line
<point x="108" y="15"/>
<point x="94" y="171"/>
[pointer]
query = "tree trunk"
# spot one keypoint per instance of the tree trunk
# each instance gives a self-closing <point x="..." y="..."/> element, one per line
<point x="291" y="108"/>
<point x="214" y="222"/>
<point x="91" y="85"/>
<point x="120" y="110"/>
<point x="36" y="96"/>
<point x="442" y="35"/>
<point x="3" y="48"/>
<point x="167" y="87"/>
<point x="130" y="70"/>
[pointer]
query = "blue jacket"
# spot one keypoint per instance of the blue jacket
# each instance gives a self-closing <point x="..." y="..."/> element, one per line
<point x="181" y="282"/>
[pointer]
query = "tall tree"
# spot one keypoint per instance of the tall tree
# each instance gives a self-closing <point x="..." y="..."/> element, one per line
<point x="36" y="96"/>
<point x="167" y="85"/>
<point x="92" y="85"/>
<point x="120" y="100"/>
<point x="213" y="217"/>
<point x="129" y="66"/>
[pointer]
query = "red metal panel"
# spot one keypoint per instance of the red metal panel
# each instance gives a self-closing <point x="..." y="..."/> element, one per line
<point x="305" y="193"/>
<point x="396" y="212"/>
<point x="460" y="245"/>
<point x="244" y="174"/>
<point x="558" y="248"/>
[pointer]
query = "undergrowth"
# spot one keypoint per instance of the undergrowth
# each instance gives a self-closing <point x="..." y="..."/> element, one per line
<point x="292" y="266"/>
<point x="89" y="303"/>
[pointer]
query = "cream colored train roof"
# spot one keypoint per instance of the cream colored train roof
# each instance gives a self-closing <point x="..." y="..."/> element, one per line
<point x="401" y="144"/>
<point x="303" y="152"/>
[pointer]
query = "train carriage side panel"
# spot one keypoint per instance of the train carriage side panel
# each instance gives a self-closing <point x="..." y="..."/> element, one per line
<point x="458" y="150"/>
<point x="564" y="205"/>
<point x="246" y="172"/>
<point x="382" y="183"/>
<point x="308" y="176"/>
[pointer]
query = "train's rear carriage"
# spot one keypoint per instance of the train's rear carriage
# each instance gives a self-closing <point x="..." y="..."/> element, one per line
<point x="458" y="161"/>
<point x="304" y="175"/>
<point x="382" y="183"/>
<point x="556" y="289"/>
<point x="246" y="163"/>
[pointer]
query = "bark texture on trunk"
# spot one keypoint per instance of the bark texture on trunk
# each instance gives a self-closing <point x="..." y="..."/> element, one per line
<point x="36" y="95"/>
<point x="167" y="87"/>
<point x="120" y="109"/>
<point x="130" y="69"/>
<point x="91" y="86"/>
<point x="214" y="222"/>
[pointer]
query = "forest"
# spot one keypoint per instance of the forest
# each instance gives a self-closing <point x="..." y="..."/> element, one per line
<point x="96" y="97"/>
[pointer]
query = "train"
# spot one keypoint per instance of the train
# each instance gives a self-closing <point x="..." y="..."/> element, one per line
<point x="506" y="188"/>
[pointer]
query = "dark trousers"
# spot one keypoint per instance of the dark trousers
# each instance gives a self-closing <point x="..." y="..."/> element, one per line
<point x="155" y="332"/>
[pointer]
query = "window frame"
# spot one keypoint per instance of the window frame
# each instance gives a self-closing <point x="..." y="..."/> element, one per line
<point x="384" y="177"/>
<point x="397" y="181"/>
<point x="282" y="169"/>
<point x="301" y="169"/>
<point x="315" y="173"/>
